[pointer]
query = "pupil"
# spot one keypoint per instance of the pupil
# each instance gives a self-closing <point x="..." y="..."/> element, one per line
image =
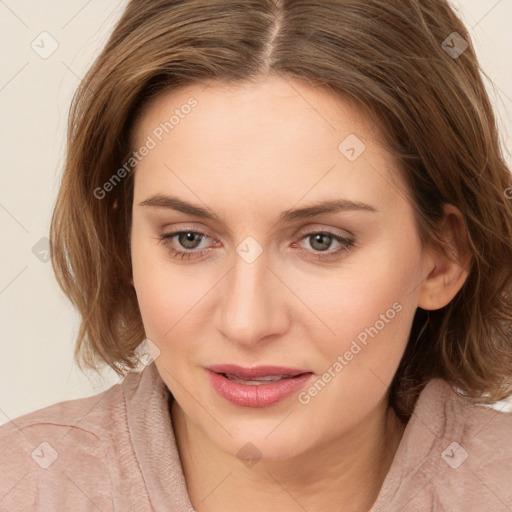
<point x="319" y="237"/>
<point x="189" y="238"/>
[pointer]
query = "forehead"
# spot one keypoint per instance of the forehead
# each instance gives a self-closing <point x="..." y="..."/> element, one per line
<point x="250" y="108"/>
<point x="273" y="134"/>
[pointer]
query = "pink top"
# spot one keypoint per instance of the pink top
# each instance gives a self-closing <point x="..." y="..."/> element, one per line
<point x="116" y="451"/>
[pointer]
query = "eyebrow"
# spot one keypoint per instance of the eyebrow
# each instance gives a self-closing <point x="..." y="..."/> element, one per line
<point x="323" y="207"/>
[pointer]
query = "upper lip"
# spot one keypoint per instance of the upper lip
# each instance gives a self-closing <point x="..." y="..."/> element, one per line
<point x="256" y="371"/>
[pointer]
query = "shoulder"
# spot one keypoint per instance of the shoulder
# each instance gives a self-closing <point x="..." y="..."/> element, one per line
<point x="455" y="454"/>
<point x="478" y="459"/>
<point x="482" y="431"/>
<point x="61" y="455"/>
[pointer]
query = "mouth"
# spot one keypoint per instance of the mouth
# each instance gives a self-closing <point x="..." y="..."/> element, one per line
<point x="258" y="381"/>
<point x="258" y="386"/>
<point x="257" y="375"/>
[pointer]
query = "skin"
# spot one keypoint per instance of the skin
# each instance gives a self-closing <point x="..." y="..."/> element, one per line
<point x="248" y="153"/>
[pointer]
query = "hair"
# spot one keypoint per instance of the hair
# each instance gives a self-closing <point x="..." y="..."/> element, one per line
<point x="389" y="58"/>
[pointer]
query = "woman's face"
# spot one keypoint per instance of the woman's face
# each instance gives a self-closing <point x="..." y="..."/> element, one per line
<point x="271" y="276"/>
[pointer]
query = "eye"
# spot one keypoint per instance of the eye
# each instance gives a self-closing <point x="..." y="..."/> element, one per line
<point x="322" y="240"/>
<point x="189" y="241"/>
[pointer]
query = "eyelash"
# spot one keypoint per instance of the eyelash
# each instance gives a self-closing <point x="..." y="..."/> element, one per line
<point x="346" y="246"/>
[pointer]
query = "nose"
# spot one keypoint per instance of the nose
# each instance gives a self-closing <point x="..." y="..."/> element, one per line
<point x="252" y="305"/>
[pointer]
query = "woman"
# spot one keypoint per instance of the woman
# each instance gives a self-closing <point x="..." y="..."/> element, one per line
<point x="303" y="208"/>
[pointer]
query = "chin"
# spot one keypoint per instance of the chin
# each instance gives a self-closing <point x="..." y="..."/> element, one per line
<point x="254" y="443"/>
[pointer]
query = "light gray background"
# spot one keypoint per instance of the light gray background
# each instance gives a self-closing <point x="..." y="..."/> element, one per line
<point x="38" y="326"/>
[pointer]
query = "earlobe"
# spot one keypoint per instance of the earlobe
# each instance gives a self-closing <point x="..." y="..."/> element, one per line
<point x="448" y="269"/>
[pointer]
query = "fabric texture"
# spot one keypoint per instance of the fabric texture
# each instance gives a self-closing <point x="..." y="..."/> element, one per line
<point x="116" y="451"/>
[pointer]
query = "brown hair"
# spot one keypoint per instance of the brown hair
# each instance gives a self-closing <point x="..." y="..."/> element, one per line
<point x="390" y="58"/>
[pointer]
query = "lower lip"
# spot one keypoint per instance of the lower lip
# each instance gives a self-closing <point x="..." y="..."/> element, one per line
<point x="257" y="395"/>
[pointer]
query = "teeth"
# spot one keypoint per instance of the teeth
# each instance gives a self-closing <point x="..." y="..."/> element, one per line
<point x="257" y="380"/>
<point x="267" y="377"/>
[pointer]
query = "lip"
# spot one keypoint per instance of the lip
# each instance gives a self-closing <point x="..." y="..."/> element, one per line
<point x="257" y="395"/>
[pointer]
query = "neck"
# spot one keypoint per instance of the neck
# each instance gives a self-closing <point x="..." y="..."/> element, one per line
<point x="343" y="475"/>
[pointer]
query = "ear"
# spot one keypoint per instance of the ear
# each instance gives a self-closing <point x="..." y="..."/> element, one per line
<point x="446" y="270"/>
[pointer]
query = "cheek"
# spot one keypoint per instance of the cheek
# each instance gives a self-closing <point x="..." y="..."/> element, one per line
<point x="370" y="309"/>
<point x="367" y="307"/>
<point x="158" y="301"/>
<point x="169" y="295"/>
